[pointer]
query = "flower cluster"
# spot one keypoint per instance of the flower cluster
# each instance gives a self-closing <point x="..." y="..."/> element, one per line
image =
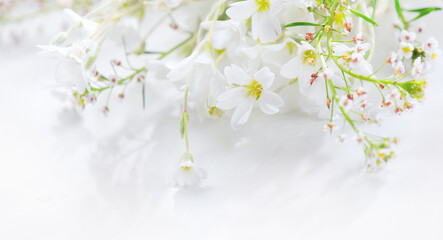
<point x="251" y="55"/>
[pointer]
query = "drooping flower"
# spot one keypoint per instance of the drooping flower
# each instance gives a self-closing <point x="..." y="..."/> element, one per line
<point x="71" y="68"/>
<point x="86" y="24"/>
<point x="187" y="175"/>
<point x="330" y="127"/>
<point x="248" y="90"/>
<point x="265" y="25"/>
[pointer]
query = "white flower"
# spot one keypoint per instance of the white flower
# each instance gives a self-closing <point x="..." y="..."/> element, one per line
<point x="329" y="127"/>
<point x="71" y="68"/>
<point x="417" y="68"/>
<point x="189" y="67"/>
<point x="354" y="56"/>
<point x="393" y="59"/>
<point x="249" y="90"/>
<point x="187" y="175"/>
<point x="406" y="49"/>
<point x="265" y="26"/>
<point x="345" y="102"/>
<point x="157" y="69"/>
<point x="406" y="36"/>
<point x="303" y="65"/>
<point x="194" y="70"/>
<point x="88" y="25"/>
<point x="430" y="45"/>
<point x="272" y="55"/>
<point x="224" y="33"/>
<point x="358" y="38"/>
<point x="431" y="49"/>
<point x="394" y="95"/>
<point x="113" y="80"/>
<point x="399" y="69"/>
<point x="362" y="47"/>
<point x="342" y="137"/>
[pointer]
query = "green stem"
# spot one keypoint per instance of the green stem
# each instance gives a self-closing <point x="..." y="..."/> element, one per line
<point x="176" y="47"/>
<point x="185" y="106"/>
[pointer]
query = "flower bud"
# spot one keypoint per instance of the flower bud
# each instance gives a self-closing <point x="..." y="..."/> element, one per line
<point x="348" y="26"/>
<point x="309" y="37"/>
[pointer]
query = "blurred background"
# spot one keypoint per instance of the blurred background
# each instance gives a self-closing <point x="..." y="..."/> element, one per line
<point x="77" y="174"/>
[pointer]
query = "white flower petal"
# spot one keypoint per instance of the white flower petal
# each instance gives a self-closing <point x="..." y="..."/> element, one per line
<point x="241" y="114"/>
<point x="236" y="75"/>
<point x="182" y="69"/>
<point x="70" y="72"/>
<point x="255" y="25"/>
<point x="275" y="7"/>
<point x="270" y="102"/>
<point x="289" y="70"/>
<point x="267" y="32"/>
<point x="241" y="10"/>
<point x="265" y="77"/>
<point x="231" y="98"/>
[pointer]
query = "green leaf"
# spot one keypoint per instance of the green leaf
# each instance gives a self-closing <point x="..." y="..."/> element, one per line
<point x="374" y="5"/>
<point x="423" y="12"/>
<point x="366" y="18"/>
<point x="400" y="13"/>
<point x="295" y="24"/>
<point x="419" y="10"/>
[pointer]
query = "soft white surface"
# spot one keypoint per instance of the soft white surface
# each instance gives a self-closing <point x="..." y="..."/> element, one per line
<point x="66" y="174"/>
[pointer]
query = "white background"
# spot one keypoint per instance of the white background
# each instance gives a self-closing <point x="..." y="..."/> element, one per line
<point x="69" y="174"/>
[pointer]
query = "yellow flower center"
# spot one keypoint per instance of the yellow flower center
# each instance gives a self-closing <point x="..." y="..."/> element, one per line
<point x="433" y="56"/>
<point x="186" y="168"/>
<point x="309" y="57"/>
<point x="263" y="5"/>
<point x="254" y="89"/>
<point x="406" y="49"/>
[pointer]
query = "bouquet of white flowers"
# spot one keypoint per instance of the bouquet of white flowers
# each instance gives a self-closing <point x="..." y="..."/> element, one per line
<point x="230" y="58"/>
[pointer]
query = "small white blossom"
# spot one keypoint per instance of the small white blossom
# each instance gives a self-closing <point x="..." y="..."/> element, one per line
<point x="342" y="137"/>
<point x="406" y="49"/>
<point x="187" y="175"/>
<point x="71" y="68"/>
<point x="113" y="79"/>
<point x="431" y="49"/>
<point x="393" y="59"/>
<point x="430" y="45"/>
<point x="362" y="47"/>
<point x="406" y="36"/>
<point x="345" y="102"/>
<point x="303" y="65"/>
<point x="399" y="69"/>
<point x="265" y="25"/>
<point x="250" y="89"/>
<point x="417" y="67"/>
<point x="88" y="25"/>
<point x="394" y="95"/>
<point x="329" y="127"/>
